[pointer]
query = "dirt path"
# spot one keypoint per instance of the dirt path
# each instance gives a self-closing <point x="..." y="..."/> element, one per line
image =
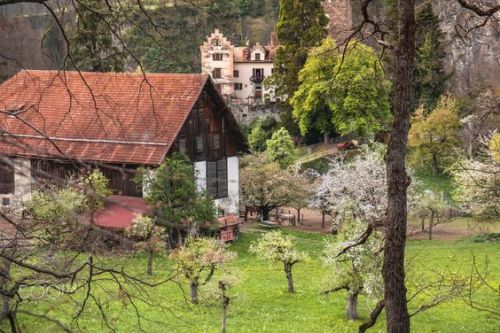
<point x="459" y="228"/>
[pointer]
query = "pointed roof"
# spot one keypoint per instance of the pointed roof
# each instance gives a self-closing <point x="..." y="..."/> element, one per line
<point x="106" y="117"/>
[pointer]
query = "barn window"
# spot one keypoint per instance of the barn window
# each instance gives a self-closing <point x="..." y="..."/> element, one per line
<point x="7" y="184"/>
<point x="121" y="180"/>
<point x="181" y="143"/>
<point x="216" y="141"/>
<point x="199" y="143"/>
<point x="217" y="178"/>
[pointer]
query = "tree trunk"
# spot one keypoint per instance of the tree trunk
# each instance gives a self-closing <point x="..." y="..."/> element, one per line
<point x="431" y="225"/>
<point x="323" y="219"/>
<point x="4" y="280"/>
<point x="373" y="317"/>
<point x="352" y="305"/>
<point x="194" y="292"/>
<point x="225" y="303"/>
<point x="265" y="213"/>
<point x="289" y="277"/>
<point x="435" y="165"/>
<point x="150" y="262"/>
<point x="422" y="224"/>
<point x="298" y="216"/>
<point x="393" y="270"/>
<point x="325" y="138"/>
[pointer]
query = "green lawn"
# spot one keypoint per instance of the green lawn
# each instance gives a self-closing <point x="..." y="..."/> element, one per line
<point x="261" y="303"/>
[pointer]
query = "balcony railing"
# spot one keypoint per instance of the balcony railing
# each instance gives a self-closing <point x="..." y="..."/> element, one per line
<point x="257" y="78"/>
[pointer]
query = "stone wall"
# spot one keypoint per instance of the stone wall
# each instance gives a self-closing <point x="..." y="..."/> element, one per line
<point x="473" y="58"/>
<point x="340" y="14"/>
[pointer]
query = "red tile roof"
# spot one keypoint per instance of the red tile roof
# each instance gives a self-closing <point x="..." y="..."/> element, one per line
<point x="229" y="220"/>
<point x="104" y="117"/>
<point x="120" y="211"/>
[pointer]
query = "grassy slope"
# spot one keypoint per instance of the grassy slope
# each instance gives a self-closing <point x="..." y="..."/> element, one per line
<point x="261" y="303"/>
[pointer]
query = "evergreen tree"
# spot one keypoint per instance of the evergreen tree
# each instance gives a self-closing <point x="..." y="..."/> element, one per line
<point x="92" y="47"/>
<point x="301" y="26"/>
<point x="430" y="75"/>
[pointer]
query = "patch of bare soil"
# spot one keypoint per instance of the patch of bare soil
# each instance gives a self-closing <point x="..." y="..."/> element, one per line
<point x="457" y="229"/>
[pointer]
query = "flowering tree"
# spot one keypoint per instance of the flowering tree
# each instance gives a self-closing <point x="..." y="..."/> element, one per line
<point x="265" y="185"/>
<point x="357" y="189"/>
<point x="357" y="270"/>
<point x="478" y="181"/>
<point x="278" y="247"/>
<point x="430" y="206"/>
<point x="198" y="259"/>
<point x="148" y="237"/>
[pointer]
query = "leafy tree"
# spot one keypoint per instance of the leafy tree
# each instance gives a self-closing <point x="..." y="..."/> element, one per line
<point x="301" y="25"/>
<point x="434" y="138"/>
<point x="56" y="209"/>
<point x="347" y="92"/>
<point x="280" y="148"/>
<point x="430" y="76"/>
<point x="494" y="147"/>
<point x="221" y="290"/>
<point x="148" y="237"/>
<point x="171" y="189"/>
<point x="358" y="270"/>
<point x="92" y="48"/>
<point x="265" y="185"/>
<point x="257" y="137"/>
<point x="96" y="188"/>
<point x="278" y="247"/>
<point x="198" y="259"/>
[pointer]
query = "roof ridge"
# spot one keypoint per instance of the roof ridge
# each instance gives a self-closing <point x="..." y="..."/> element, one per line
<point x="71" y="72"/>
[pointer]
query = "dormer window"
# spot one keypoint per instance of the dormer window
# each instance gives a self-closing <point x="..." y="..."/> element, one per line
<point x="217" y="56"/>
<point x="257" y="56"/>
<point x="216" y="42"/>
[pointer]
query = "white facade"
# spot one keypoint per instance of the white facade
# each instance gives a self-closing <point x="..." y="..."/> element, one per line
<point x="22" y="181"/>
<point x="217" y="60"/>
<point x="234" y="69"/>
<point x="249" y="88"/>
<point x="231" y="203"/>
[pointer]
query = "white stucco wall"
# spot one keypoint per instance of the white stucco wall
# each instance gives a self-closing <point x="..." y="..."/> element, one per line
<point x="245" y="73"/>
<point x="22" y="181"/>
<point x="200" y="171"/>
<point x="231" y="204"/>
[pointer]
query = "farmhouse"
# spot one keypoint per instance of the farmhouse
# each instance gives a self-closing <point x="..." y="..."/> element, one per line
<point x="54" y="123"/>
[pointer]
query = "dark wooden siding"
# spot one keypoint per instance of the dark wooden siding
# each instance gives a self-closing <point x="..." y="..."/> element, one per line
<point x="205" y="136"/>
<point x="121" y="177"/>
<point x="121" y="180"/>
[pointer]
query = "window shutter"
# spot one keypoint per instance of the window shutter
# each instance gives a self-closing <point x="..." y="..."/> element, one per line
<point x="222" y="178"/>
<point x="212" y="179"/>
<point x="7" y="184"/>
